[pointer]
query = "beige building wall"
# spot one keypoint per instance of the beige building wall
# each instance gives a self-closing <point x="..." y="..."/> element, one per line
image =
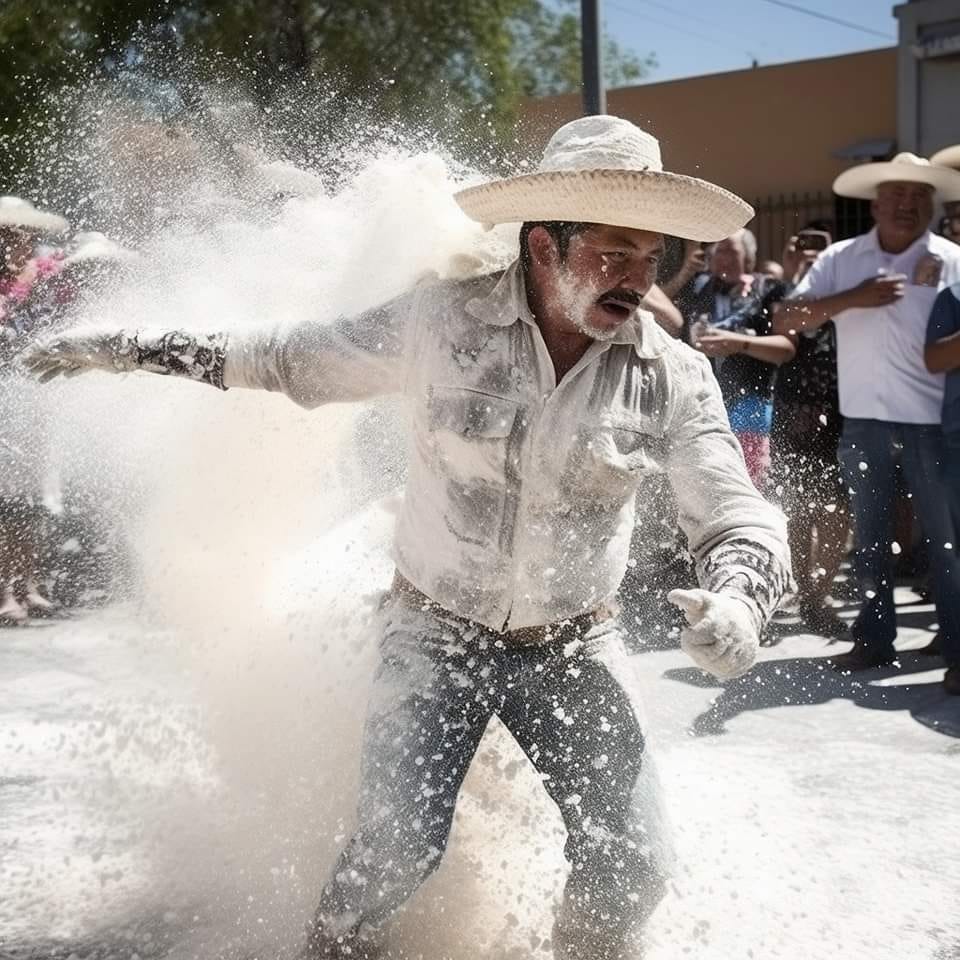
<point x="929" y="74"/>
<point x="767" y="130"/>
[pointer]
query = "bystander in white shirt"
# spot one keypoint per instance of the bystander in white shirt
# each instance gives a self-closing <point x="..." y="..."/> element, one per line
<point x="880" y="368"/>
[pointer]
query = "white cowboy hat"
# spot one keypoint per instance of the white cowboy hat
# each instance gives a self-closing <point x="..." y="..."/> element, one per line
<point x="948" y="157"/>
<point x="15" y="212"/>
<point x="607" y="170"/>
<point x="862" y="181"/>
<point x="93" y="245"/>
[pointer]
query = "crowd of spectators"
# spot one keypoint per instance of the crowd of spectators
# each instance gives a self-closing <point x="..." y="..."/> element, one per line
<point x="45" y="274"/>
<point x="840" y="370"/>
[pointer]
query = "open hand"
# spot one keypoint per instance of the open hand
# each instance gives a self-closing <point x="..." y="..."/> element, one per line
<point x="694" y="258"/>
<point x="77" y="351"/>
<point x="878" y="291"/>
<point x="719" y="343"/>
<point x="796" y="261"/>
<point x="722" y="636"/>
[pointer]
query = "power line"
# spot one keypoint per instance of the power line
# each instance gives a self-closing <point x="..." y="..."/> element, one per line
<point x="829" y="19"/>
<point x="687" y="15"/>
<point x="671" y="26"/>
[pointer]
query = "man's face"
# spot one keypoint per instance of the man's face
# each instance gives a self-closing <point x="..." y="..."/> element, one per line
<point x="728" y="260"/>
<point x="606" y="273"/>
<point x="903" y="209"/>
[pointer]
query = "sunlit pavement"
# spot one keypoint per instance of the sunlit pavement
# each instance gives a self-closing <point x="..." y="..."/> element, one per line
<point x="816" y="815"/>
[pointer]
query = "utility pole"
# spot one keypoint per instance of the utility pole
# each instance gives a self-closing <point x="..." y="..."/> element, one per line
<point x="594" y="95"/>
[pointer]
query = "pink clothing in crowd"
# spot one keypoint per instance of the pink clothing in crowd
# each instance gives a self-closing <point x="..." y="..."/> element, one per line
<point x="15" y="290"/>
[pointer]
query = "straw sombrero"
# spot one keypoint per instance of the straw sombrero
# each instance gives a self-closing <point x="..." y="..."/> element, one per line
<point x="862" y="181"/>
<point x="15" y="212"/>
<point x="607" y="170"/>
<point x="91" y="245"/>
<point x="948" y="157"/>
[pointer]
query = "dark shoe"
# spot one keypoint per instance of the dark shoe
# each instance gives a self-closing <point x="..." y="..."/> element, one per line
<point x="11" y="611"/>
<point x="933" y="649"/>
<point x="35" y="602"/>
<point x="862" y="657"/>
<point x="846" y="589"/>
<point x="951" y="681"/>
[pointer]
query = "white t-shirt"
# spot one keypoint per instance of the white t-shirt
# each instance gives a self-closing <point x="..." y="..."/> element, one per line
<point x="880" y="369"/>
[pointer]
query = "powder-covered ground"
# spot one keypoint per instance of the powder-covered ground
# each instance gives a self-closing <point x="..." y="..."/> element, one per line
<point x="815" y="817"/>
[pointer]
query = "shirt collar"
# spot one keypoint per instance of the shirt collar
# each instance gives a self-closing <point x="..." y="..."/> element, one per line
<point x="507" y="303"/>
<point x="872" y="243"/>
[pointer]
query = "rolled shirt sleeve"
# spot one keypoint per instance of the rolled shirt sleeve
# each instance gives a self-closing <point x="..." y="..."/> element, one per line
<point x="737" y="539"/>
<point x="314" y="363"/>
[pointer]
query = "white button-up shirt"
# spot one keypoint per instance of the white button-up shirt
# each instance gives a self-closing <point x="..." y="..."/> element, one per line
<point x="521" y="494"/>
<point x="880" y="369"/>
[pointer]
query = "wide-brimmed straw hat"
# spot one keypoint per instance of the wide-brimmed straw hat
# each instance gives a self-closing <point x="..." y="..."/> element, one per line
<point x="862" y="181"/>
<point x="16" y="212"/>
<point x="948" y="157"/>
<point x="607" y="170"/>
<point x="91" y="245"/>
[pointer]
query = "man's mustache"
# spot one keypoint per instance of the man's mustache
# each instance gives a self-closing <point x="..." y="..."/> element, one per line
<point x="621" y="295"/>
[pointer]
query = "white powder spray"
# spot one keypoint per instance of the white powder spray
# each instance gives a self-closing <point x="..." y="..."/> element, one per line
<point x="259" y="578"/>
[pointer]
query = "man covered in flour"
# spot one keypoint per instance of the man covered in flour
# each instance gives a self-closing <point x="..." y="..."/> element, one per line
<point x="540" y="397"/>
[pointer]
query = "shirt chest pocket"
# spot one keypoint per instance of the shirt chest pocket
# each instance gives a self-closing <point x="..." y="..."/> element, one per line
<point x="472" y="433"/>
<point x="638" y="447"/>
<point x="610" y="459"/>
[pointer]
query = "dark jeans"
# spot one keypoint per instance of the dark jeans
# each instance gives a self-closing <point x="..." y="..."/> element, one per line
<point x="871" y="451"/>
<point x="951" y="474"/>
<point x="569" y="704"/>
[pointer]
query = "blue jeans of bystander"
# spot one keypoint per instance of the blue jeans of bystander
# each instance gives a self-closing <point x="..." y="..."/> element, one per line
<point x="951" y="475"/>
<point x="871" y="451"/>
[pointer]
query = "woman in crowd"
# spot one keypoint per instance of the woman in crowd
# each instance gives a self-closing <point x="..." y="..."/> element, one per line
<point x="24" y="295"/>
<point x="730" y="314"/>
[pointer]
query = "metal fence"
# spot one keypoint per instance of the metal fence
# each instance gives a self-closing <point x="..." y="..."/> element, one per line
<point x="779" y="217"/>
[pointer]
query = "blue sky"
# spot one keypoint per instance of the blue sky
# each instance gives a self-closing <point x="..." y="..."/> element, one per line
<point x="692" y="37"/>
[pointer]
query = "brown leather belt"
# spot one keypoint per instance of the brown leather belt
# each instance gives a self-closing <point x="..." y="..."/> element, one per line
<point x="564" y="630"/>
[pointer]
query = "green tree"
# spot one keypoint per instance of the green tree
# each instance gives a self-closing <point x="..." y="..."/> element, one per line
<point x="459" y="64"/>
<point x="546" y="53"/>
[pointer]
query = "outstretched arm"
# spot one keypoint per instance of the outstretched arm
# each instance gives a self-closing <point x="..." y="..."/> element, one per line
<point x="193" y="356"/>
<point x="799" y="314"/>
<point x="312" y="362"/>
<point x="738" y="540"/>
<point x="773" y="348"/>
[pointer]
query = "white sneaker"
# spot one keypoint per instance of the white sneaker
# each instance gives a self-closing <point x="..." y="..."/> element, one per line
<point x="10" y="608"/>
<point x="34" y="600"/>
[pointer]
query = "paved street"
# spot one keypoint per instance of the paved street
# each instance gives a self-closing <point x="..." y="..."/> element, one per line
<point x="815" y="816"/>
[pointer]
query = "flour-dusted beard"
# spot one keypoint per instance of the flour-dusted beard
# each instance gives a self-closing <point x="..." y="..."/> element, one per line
<point x="577" y="301"/>
<point x="595" y="333"/>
